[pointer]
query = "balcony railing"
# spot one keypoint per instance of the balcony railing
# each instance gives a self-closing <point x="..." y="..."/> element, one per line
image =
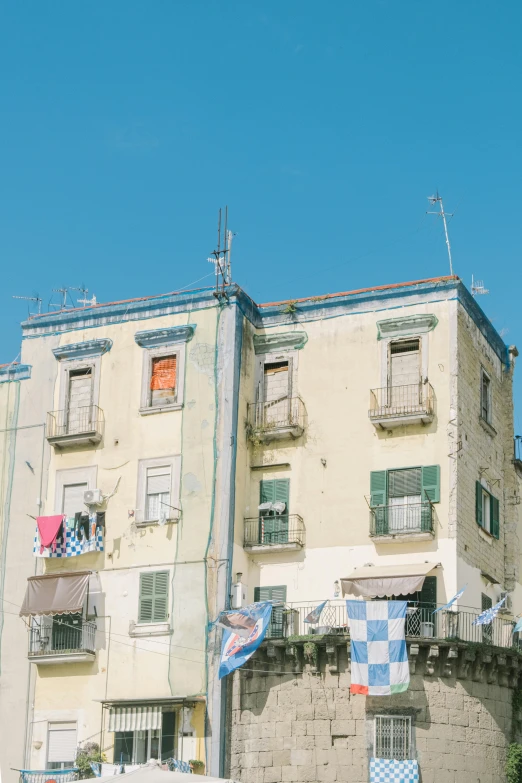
<point x="62" y="636"/>
<point x="401" y="520"/>
<point x="75" y="425"/>
<point x="278" y="418"/>
<point x="397" y="405"/>
<point x="286" y="530"/>
<point x="421" y="622"/>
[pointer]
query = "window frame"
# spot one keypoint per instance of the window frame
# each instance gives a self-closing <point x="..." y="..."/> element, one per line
<point x="162" y="734"/>
<point x="394" y="716"/>
<point x="68" y="366"/>
<point x="397" y="341"/>
<point x="85" y="475"/>
<point x="275" y="357"/>
<point x="154" y="623"/>
<point x="53" y="724"/>
<point x="493" y="499"/>
<point x="161" y="352"/>
<point x="174" y="462"/>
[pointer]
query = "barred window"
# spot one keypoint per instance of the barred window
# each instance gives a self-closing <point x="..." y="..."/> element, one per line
<point x="392" y="737"/>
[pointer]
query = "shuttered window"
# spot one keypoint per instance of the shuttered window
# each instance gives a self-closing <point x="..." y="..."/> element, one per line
<point x="163" y="380"/>
<point x="271" y="593"/>
<point x="273" y="527"/>
<point x="407" y="482"/>
<point x="154" y="594"/>
<point x="392" y="737"/>
<point x="487" y="510"/>
<point x="72" y="500"/>
<point x="61" y="747"/>
<point x="157" y="492"/>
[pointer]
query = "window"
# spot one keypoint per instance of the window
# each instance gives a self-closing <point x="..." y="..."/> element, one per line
<point x="70" y="486"/>
<point x="273" y="511"/>
<point x="138" y="746"/>
<point x="61" y="745"/>
<point x="154" y="597"/>
<point x="487" y="511"/>
<point x="485" y="396"/>
<point x="399" y="498"/>
<point x="157" y="491"/>
<point x="277" y="594"/>
<point x="162" y="381"/>
<point x="157" y="498"/>
<point x="393" y="737"/>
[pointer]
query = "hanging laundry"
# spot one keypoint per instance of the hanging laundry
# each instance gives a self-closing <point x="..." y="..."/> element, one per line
<point x="48" y="528"/>
<point x="100" y="519"/>
<point x="82" y="525"/>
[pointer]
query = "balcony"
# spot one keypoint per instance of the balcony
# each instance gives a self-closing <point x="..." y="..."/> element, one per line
<point x="276" y="419"/>
<point x="274" y="533"/>
<point x="75" y="426"/>
<point x="289" y="620"/>
<point x="402" y="522"/>
<point x="397" y="406"/>
<point x="61" y="639"/>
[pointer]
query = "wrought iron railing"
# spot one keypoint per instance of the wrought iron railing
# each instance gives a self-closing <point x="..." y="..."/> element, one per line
<point x="277" y="414"/>
<point x="274" y="530"/>
<point x="60" y="634"/>
<point x="75" y="421"/>
<point x="401" y="519"/>
<point x="393" y="401"/>
<point x="421" y="622"/>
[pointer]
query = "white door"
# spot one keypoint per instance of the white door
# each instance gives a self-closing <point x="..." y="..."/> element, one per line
<point x="276" y="394"/>
<point x="79" y="401"/>
<point x="405" y="374"/>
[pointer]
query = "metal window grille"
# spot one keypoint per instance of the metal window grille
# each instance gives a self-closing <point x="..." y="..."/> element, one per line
<point x="392" y="737"/>
<point x="406" y="346"/>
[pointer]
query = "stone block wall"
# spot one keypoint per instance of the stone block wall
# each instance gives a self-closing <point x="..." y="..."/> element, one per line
<point x="296" y="722"/>
<point x="485" y="453"/>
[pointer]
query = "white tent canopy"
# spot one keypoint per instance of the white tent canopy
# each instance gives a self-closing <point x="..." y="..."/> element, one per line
<point x="152" y="773"/>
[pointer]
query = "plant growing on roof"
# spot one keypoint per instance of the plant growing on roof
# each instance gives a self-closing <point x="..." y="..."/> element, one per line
<point x="290" y="307"/>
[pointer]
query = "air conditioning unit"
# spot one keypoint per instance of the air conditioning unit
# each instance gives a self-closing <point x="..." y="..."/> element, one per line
<point x="93" y="497"/>
<point x="508" y="605"/>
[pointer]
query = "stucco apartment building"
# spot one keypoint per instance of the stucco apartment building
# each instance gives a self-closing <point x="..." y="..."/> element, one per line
<point x="220" y="452"/>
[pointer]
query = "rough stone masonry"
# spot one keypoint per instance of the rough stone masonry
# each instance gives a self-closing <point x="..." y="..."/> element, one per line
<point x="303" y="725"/>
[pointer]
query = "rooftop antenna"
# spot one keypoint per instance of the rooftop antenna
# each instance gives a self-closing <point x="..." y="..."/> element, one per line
<point x="64" y="293"/>
<point x="36" y="299"/>
<point x="477" y="287"/>
<point x="221" y="257"/>
<point x="85" y="302"/>
<point x="438" y="200"/>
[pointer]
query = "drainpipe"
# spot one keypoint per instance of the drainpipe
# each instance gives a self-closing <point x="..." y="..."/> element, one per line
<point x="229" y="344"/>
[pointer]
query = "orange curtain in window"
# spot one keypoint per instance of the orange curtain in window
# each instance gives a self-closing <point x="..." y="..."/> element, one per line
<point x="163" y="374"/>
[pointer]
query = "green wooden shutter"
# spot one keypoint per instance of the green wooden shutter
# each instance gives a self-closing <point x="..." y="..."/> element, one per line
<point x="431" y="483"/>
<point x="378" y="487"/>
<point x="428" y="593"/>
<point x="274" y="529"/>
<point x="161" y="597"/>
<point x="495" y="517"/>
<point x="277" y="593"/>
<point x="478" y="503"/>
<point x="153" y="600"/>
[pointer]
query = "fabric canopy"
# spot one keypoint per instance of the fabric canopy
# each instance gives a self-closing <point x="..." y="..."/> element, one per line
<point x="135" y="718"/>
<point x="151" y="773"/>
<point x="55" y="594"/>
<point x="163" y="374"/>
<point x="378" y="581"/>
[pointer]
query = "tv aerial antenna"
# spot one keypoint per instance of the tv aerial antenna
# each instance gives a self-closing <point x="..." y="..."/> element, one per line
<point x="85" y="302"/>
<point x="34" y="298"/>
<point x="221" y="257"/>
<point x="64" y="293"/>
<point x="477" y="287"/>
<point x="438" y="200"/>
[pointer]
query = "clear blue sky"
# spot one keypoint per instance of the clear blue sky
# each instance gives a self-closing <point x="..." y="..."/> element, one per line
<point x="323" y="126"/>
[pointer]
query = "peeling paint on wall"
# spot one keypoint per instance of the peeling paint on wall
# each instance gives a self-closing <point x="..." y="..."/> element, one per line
<point x="191" y="484"/>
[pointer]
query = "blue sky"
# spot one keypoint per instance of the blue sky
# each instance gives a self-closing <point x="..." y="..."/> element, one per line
<point x="324" y="127"/>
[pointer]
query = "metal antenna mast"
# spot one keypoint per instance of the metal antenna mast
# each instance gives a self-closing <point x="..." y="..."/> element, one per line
<point x="438" y="200"/>
<point x="32" y="299"/>
<point x="221" y="258"/>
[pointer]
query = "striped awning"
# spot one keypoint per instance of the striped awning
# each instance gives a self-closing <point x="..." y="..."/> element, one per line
<point x="135" y="718"/>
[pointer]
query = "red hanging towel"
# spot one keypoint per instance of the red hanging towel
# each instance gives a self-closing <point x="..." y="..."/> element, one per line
<point x="49" y="527"/>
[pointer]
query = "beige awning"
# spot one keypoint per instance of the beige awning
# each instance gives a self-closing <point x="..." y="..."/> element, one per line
<point x="378" y="581"/>
<point x="135" y="718"/>
<point x="55" y="594"/>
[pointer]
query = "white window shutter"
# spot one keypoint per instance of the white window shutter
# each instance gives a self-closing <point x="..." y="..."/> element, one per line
<point x="62" y="742"/>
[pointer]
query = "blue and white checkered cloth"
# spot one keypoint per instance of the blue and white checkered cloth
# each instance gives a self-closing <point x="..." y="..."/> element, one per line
<point x="378" y="647"/>
<point x="393" y="771"/>
<point x="488" y="615"/>
<point x="69" y="545"/>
